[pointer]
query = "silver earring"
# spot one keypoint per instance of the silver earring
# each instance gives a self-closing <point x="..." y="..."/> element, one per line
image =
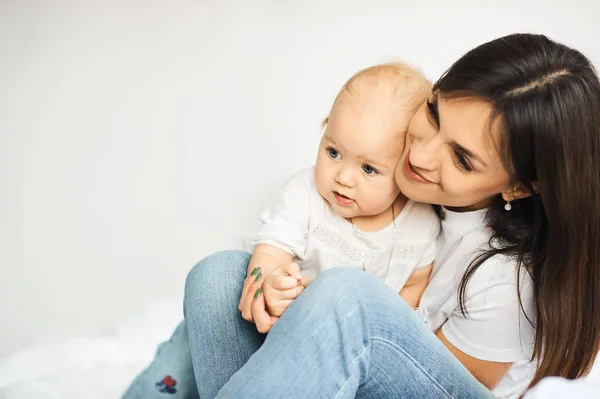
<point x="508" y="207"/>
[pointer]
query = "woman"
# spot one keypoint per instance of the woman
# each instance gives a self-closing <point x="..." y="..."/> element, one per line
<point x="509" y="144"/>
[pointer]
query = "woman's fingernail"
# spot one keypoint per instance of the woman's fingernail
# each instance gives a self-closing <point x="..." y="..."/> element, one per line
<point x="255" y="271"/>
<point x="258" y="277"/>
<point x="258" y="292"/>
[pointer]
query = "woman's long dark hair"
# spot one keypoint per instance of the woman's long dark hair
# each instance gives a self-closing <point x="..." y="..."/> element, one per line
<point x="547" y="97"/>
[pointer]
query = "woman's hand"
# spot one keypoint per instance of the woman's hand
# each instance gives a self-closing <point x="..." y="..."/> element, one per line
<point x="285" y="284"/>
<point x="263" y="320"/>
<point x="252" y="284"/>
<point x="279" y="296"/>
<point x="265" y="259"/>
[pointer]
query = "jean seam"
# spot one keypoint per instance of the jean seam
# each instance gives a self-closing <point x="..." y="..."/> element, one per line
<point x="351" y="364"/>
<point x="416" y="364"/>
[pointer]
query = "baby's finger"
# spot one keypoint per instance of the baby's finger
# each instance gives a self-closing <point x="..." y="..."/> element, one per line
<point x="280" y="307"/>
<point x="292" y="293"/>
<point x="293" y="269"/>
<point x="306" y="280"/>
<point x="283" y="282"/>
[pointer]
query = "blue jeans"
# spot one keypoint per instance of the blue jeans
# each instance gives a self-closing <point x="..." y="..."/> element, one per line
<point x="170" y="375"/>
<point x="212" y="293"/>
<point x="346" y="336"/>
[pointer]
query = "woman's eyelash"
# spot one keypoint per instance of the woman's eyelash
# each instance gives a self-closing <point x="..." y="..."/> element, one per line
<point x="462" y="161"/>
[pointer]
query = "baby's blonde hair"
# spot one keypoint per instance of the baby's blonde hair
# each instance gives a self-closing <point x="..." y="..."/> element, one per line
<point x="410" y="84"/>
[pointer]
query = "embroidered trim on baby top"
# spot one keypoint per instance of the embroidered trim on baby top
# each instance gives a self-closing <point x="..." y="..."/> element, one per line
<point x="409" y="252"/>
<point x="335" y="241"/>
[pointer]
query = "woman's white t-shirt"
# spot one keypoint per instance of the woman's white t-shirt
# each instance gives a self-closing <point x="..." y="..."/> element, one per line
<point x="495" y="328"/>
<point x="303" y="224"/>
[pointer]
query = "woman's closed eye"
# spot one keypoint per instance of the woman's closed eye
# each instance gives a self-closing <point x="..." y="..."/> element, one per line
<point x="333" y="153"/>
<point x="462" y="161"/>
<point x="368" y="169"/>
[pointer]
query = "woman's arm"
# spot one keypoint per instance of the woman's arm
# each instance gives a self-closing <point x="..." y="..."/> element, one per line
<point x="488" y="373"/>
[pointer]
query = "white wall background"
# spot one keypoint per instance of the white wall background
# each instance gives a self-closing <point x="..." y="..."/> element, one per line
<point x="137" y="137"/>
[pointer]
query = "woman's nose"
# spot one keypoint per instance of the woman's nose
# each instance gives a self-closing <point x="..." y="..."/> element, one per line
<point x="425" y="155"/>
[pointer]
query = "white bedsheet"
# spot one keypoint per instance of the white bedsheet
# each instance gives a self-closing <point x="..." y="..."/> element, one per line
<point x="102" y="367"/>
<point x="90" y="367"/>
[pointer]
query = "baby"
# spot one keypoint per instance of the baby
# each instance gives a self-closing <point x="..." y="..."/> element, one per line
<point x="347" y="209"/>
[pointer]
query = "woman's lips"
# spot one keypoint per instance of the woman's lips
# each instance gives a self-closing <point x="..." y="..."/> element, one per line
<point x="342" y="199"/>
<point x="411" y="173"/>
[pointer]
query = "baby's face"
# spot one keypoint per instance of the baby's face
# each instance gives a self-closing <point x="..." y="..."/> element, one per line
<point x="360" y="148"/>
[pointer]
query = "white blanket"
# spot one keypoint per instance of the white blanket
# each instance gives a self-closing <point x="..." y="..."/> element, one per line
<point x="91" y="367"/>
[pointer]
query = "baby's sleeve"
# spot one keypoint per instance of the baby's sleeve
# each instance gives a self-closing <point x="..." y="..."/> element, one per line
<point x="428" y="253"/>
<point x="284" y="223"/>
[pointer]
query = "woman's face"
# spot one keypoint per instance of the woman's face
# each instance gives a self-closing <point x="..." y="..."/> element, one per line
<point x="451" y="155"/>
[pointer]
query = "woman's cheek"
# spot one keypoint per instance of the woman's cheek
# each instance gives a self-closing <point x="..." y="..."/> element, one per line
<point x="455" y="185"/>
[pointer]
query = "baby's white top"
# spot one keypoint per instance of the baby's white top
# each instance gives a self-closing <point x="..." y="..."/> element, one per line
<point x="303" y="224"/>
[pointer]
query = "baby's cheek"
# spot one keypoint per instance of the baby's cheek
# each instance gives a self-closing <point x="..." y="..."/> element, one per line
<point x="382" y="195"/>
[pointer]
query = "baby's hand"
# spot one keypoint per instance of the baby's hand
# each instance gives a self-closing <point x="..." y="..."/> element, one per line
<point x="281" y="287"/>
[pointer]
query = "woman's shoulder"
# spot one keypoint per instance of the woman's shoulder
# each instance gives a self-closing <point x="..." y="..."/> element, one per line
<point x="501" y="270"/>
<point x="494" y="267"/>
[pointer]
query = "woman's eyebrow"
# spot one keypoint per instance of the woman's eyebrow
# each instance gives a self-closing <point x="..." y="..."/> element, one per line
<point x="432" y="110"/>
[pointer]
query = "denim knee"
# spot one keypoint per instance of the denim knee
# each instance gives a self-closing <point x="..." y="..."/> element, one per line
<point x="341" y="289"/>
<point x="340" y="280"/>
<point x="215" y="277"/>
<point x="340" y="286"/>
<point x="225" y="265"/>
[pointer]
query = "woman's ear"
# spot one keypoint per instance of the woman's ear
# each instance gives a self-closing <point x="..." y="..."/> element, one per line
<point x="508" y="196"/>
<point x="519" y="191"/>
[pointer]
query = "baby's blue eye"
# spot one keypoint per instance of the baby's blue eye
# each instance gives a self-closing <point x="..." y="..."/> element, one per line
<point x="333" y="153"/>
<point x="368" y="169"/>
